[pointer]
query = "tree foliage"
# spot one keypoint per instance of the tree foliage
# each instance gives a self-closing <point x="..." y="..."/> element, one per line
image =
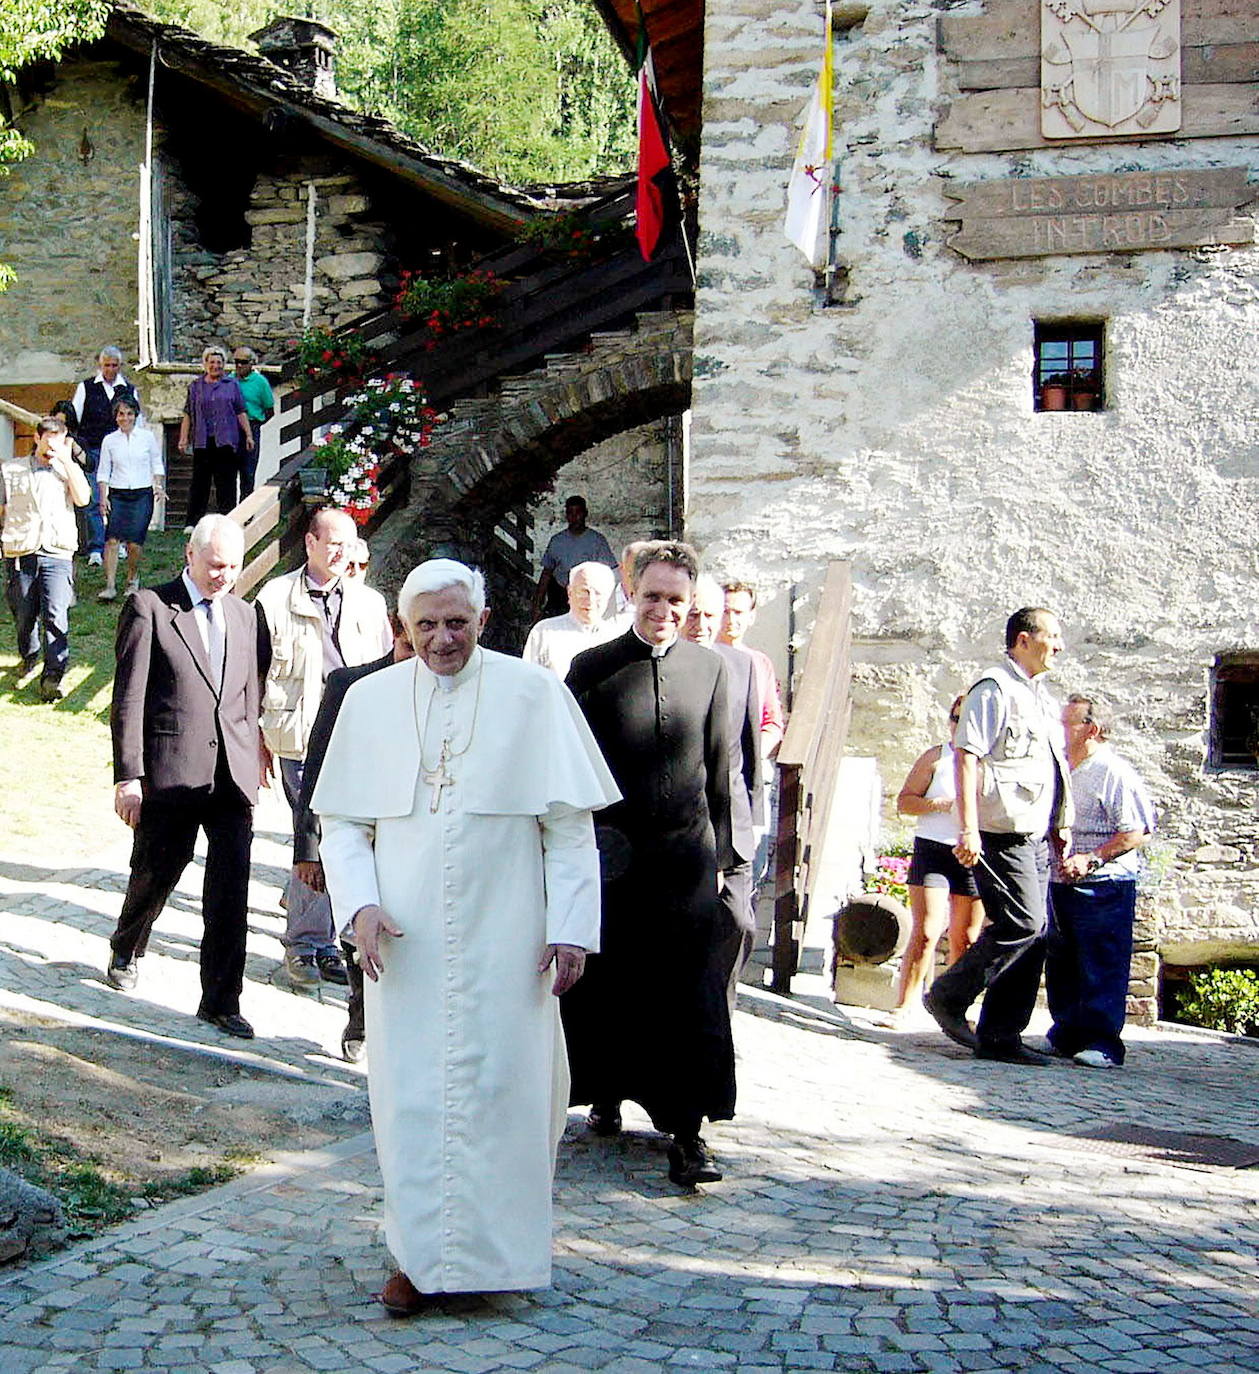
<point x="530" y="90"/>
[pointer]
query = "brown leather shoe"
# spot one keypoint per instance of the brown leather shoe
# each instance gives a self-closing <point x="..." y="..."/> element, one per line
<point x="400" y="1297"/>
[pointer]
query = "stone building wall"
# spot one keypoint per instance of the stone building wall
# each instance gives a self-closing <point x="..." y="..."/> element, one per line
<point x="69" y="215"/>
<point x="897" y="429"/>
<point x="256" y="295"/>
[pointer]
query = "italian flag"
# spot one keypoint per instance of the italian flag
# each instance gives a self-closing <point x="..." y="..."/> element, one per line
<point x="657" y="191"/>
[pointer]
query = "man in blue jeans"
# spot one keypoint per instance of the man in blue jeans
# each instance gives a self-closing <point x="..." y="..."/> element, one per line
<point x="38" y="496"/>
<point x="1093" y="894"/>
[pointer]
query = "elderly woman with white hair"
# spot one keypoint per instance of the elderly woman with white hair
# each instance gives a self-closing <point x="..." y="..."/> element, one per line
<point x="215" y="425"/>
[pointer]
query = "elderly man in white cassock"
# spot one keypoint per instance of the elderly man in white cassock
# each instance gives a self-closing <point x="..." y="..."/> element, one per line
<point x="455" y="801"/>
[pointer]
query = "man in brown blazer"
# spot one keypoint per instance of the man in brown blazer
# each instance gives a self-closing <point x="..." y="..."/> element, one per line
<point x="188" y="755"/>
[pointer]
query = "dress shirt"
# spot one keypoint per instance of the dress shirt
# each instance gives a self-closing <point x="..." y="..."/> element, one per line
<point x="111" y="388"/>
<point x="327" y="599"/>
<point x="213" y="408"/>
<point x="130" y="462"/>
<point x="210" y="626"/>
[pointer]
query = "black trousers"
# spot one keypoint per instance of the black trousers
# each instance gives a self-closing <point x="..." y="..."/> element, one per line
<point x="220" y="465"/>
<point x="736" y="900"/>
<point x="1008" y="956"/>
<point x="160" y="852"/>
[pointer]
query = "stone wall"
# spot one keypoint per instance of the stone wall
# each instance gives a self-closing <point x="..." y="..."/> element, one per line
<point x="897" y="429"/>
<point x="69" y="216"/>
<point x="67" y="219"/>
<point x="256" y="295"/>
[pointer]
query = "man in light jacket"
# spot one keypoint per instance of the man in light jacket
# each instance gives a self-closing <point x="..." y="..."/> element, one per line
<point x="1013" y="798"/>
<point x="317" y="620"/>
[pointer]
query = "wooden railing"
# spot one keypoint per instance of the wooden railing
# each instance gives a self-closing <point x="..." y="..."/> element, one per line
<point x="19" y="414"/>
<point x="808" y="769"/>
<point x="547" y="305"/>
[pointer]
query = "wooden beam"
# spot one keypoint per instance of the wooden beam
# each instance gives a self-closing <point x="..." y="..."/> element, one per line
<point x="1200" y="65"/>
<point x="19" y="413"/>
<point x="1001" y="121"/>
<point x="1011" y="28"/>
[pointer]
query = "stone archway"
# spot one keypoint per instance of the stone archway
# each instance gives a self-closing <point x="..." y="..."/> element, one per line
<point x="494" y="453"/>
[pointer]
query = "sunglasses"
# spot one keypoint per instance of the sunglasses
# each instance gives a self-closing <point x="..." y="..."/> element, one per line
<point x="953" y="720"/>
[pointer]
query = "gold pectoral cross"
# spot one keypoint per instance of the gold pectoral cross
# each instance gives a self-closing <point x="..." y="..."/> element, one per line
<point x="437" y="778"/>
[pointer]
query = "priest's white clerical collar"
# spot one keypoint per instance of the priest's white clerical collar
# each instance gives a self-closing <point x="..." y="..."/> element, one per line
<point x="447" y="682"/>
<point x="657" y="650"/>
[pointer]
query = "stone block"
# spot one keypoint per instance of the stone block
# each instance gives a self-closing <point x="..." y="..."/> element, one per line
<point x="356" y="290"/>
<point x="346" y="266"/>
<point x="348" y="205"/>
<point x="277" y="216"/>
<point x="31" y="1219"/>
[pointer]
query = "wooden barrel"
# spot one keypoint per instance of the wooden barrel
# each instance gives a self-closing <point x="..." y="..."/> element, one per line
<point x="871" y="929"/>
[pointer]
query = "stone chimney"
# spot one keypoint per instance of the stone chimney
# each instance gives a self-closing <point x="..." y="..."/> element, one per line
<point x="303" y="47"/>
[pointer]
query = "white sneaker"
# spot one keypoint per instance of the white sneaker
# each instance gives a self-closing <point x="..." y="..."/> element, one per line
<point x="1096" y="1059"/>
<point x="94" y="560"/>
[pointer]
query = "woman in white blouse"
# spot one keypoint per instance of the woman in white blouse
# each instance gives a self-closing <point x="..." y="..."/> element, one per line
<point x="130" y="476"/>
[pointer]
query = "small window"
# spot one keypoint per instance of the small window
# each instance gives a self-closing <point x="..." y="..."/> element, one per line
<point x="1068" y="366"/>
<point x="1235" y="711"/>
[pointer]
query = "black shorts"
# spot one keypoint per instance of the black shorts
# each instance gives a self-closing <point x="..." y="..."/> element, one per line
<point x="935" y="865"/>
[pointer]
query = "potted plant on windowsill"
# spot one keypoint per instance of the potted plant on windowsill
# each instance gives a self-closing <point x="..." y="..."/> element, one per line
<point x="1055" y="391"/>
<point x="1085" y="389"/>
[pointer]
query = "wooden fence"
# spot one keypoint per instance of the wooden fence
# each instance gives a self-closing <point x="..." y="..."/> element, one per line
<point x="808" y="769"/>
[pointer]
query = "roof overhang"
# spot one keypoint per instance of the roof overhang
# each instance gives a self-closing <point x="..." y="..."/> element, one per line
<point x="675" y="30"/>
<point x="256" y="86"/>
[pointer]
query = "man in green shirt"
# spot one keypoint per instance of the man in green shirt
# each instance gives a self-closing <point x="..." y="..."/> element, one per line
<point x="259" y="406"/>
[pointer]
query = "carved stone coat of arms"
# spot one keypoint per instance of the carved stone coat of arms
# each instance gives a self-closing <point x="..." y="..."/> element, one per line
<point x="1109" y="68"/>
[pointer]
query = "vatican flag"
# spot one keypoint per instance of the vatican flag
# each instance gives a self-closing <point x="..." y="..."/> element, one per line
<point x="809" y="190"/>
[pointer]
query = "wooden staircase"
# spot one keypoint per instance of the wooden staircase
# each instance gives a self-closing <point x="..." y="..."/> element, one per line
<point x="551" y="312"/>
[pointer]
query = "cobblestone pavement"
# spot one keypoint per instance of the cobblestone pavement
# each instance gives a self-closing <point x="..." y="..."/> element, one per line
<point x="889" y="1204"/>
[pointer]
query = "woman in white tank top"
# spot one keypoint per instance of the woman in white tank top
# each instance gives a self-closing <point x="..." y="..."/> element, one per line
<point x="942" y="894"/>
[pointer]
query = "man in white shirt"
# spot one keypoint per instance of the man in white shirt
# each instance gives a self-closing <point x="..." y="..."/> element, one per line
<point x="316" y="620"/>
<point x="1013" y="797"/>
<point x="555" y="642"/>
<point x="93" y="402"/>
<point x="38" y="496"/>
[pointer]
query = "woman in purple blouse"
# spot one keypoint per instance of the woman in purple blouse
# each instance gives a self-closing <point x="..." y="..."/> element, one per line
<point x="214" y="425"/>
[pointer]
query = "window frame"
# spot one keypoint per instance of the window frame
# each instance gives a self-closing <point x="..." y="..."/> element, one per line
<point x="1083" y="364"/>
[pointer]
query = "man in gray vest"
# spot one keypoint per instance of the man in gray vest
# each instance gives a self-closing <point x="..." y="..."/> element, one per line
<point x="1014" y="798"/>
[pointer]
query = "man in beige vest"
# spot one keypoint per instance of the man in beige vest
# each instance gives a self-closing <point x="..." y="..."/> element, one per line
<point x="38" y="496"/>
<point x="317" y="619"/>
<point x="1013" y="799"/>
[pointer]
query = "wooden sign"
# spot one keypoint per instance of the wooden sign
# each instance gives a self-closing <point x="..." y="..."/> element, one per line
<point x="1129" y="212"/>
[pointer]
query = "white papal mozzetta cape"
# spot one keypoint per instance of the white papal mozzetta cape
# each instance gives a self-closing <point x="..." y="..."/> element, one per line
<point x="467" y="1069"/>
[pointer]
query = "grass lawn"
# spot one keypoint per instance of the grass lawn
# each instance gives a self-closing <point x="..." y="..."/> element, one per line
<point x="56" y="782"/>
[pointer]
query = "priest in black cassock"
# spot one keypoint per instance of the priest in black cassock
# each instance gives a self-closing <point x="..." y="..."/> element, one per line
<point x="650" y="1022"/>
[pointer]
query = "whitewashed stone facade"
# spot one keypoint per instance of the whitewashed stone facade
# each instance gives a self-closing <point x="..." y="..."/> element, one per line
<point x="897" y="429"/>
